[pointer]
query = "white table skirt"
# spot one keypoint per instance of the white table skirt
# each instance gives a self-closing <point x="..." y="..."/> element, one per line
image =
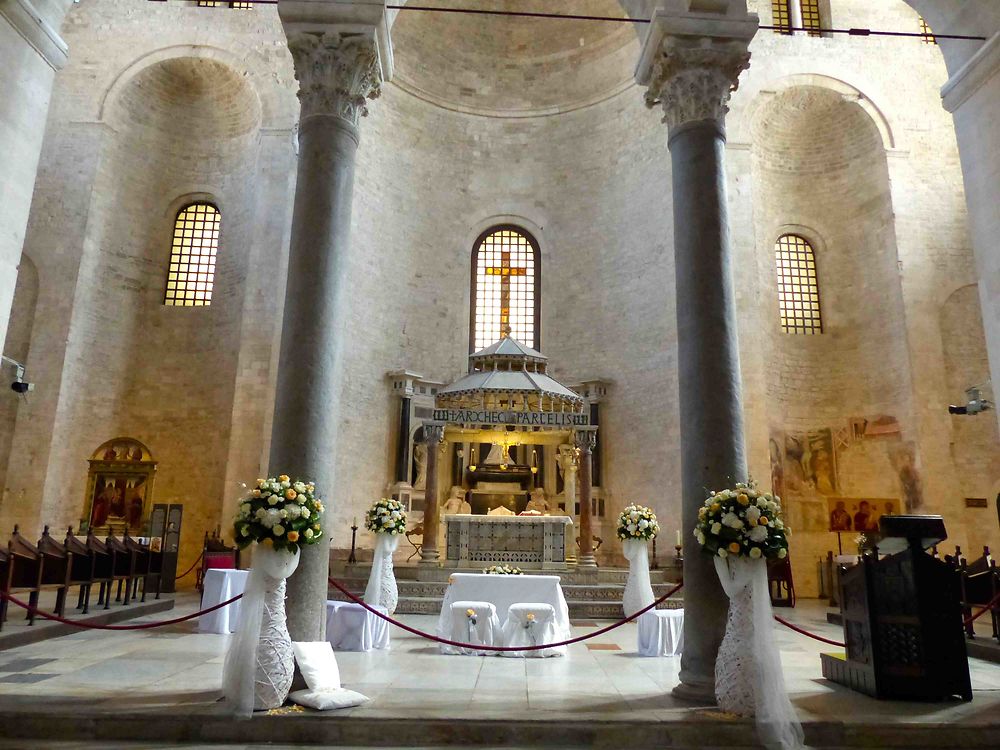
<point x="219" y="586"/>
<point x="661" y="632"/>
<point x="351" y="627"/>
<point x="501" y="592"/>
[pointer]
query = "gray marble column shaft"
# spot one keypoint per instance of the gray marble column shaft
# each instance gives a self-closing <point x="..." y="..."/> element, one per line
<point x="336" y="74"/>
<point x="691" y="63"/>
<point x="711" y="405"/>
<point x="429" y="553"/>
<point x="585" y="443"/>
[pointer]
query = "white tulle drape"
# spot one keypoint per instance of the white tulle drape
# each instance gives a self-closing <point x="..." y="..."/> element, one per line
<point x="748" y="676"/>
<point x="256" y="652"/>
<point x="381" y="590"/>
<point x="638" y="590"/>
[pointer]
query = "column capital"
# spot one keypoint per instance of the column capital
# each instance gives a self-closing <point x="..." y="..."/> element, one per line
<point x="433" y="433"/>
<point x="691" y="62"/>
<point x="585" y="439"/>
<point x="337" y="73"/>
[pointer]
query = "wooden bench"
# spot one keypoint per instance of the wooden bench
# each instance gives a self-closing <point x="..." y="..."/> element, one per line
<point x="123" y="562"/>
<point x="22" y="574"/>
<point x="81" y="571"/>
<point x="56" y="568"/>
<point x="104" y="568"/>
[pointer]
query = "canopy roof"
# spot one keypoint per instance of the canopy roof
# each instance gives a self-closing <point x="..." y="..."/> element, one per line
<point x="512" y="372"/>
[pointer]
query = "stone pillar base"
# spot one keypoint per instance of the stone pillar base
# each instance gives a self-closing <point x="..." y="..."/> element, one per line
<point x="703" y="695"/>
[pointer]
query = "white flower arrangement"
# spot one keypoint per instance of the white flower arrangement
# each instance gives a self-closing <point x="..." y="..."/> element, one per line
<point x="743" y="522"/>
<point x="502" y="570"/>
<point x="637" y="522"/>
<point x="281" y="512"/>
<point x="386" y="516"/>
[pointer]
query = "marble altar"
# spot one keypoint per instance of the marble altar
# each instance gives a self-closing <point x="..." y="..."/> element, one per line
<point x="529" y="542"/>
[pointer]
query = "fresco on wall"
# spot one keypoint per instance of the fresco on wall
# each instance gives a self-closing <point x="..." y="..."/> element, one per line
<point x="777" y="459"/>
<point x="904" y="460"/>
<point x="810" y="463"/>
<point x="859" y="514"/>
<point x="881" y="426"/>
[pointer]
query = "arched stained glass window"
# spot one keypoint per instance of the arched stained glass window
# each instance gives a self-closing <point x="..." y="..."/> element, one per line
<point x="192" y="256"/>
<point x="505" y="275"/>
<point x="798" y="286"/>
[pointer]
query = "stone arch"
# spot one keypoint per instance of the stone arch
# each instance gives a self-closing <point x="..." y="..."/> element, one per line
<point x="128" y="74"/>
<point x="846" y="90"/>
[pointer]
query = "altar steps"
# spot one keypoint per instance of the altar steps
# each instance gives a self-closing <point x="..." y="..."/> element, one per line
<point x="589" y="594"/>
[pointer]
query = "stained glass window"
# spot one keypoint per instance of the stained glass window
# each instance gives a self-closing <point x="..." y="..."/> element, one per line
<point x="504" y="288"/>
<point x="927" y="36"/>
<point x="798" y="287"/>
<point x="781" y="16"/>
<point x="208" y="4"/>
<point x="192" y="256"/>
<point x="241" y="6"/>
<point x="811" y="19"/>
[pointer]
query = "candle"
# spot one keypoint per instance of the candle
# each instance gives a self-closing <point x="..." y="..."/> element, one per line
<point x="355" y="523"/>
<point x="678" y="537"/>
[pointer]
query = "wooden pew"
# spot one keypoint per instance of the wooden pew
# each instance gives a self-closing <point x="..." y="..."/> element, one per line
<point x="979" y="585"/>
<point x="57" y="566"/>
<point x="148" y="566"/>
<point x="23" y="574"/>
<point x="82" y="567"/>
<point x="123" y="561"/>
<point x="104" y="568"/>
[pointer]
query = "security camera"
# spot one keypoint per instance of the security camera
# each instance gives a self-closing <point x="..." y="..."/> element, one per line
<point x="19" y="386"/>
<point x="975" y="403"/>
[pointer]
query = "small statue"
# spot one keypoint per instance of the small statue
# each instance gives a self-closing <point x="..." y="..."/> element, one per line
<point x="456" y="503"/>
<point x="537" y="501"/>
<point x="420" y="459"/>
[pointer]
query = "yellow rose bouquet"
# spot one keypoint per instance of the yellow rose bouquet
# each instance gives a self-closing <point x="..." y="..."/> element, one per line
<point x="281" y="512"/>
<point x="743" y="522"/>
<point x="386" y="516"/>
<point x="637" y="522"/>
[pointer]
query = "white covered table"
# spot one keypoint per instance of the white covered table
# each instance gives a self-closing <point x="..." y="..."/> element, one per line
<point x="351" y="627"/>
<point x="661" y="632"/>
<point x="502" y="591"/>
<point x="219" y="586"/>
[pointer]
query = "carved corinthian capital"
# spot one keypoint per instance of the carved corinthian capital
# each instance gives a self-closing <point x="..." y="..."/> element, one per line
<point x="336" y="72"/>
<point x="693" y="79"/>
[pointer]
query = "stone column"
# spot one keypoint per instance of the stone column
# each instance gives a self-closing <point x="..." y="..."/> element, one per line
<point x="336" y="74"/>
<point x="433" y="435"/>
<point x="585" y="440"/>
<point x="403" y="441"/>
<point x="690" y="64"/>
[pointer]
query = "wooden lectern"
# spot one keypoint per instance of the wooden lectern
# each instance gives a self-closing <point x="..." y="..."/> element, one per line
<point x="902" y="618"/>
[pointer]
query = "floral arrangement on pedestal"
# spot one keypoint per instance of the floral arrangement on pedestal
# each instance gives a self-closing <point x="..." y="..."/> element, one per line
<point x="637" y="525"/>
<point x="280" y="512"/>
<point x="742" y="528"/>
<point x="637" y="522"/>
<point x="280" y="515"/>
<point x="502" y="570"/>
<point x="387" y="519"/>
<point x="743" y="522"/>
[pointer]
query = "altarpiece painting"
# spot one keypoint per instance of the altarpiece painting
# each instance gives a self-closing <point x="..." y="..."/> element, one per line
<point x="119" y="487"/>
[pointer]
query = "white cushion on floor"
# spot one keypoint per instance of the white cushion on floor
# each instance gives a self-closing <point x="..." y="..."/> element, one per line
<point x="324" y="700"/>
<point x="318" y="665"/>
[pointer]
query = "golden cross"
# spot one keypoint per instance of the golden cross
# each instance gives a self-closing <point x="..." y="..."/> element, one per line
<point x="505" y="270"/>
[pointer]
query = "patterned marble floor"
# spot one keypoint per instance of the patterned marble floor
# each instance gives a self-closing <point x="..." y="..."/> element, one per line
<point x="99" y="672"/>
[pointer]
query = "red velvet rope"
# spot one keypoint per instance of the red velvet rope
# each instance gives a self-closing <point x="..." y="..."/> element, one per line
<point x="95" y="626"/>
<point x="480" y="647"/>
<point x="200" y="557"/>
<point x="983" y="611"/>
<point x="797" y="629"/>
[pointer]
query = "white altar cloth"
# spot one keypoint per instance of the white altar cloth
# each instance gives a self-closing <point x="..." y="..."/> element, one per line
<point x="219" y="586"/>
<point x="501" y="592"/>
<point x="351" y="627"/>
<point x="661" y="632"/>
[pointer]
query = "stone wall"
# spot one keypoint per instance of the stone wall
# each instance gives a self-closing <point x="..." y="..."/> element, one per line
<point x="842" y="139"/>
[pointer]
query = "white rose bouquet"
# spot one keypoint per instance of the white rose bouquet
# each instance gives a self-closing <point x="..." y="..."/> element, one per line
<point x="502" y="570"/>
<point x="743" y="522"/>
<point x="281" y="512"/>
<point x="386" y="516"/>
<point x="637" y="522"/>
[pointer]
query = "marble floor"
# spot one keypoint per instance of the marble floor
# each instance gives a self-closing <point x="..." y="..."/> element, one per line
<point x="177" y="668"/>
